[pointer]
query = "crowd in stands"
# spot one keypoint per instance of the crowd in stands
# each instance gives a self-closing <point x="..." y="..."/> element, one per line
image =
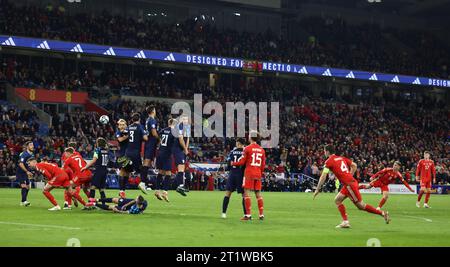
<point x="331" y="42"/>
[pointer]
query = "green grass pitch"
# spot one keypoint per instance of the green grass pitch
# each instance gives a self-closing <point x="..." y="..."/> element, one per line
<point x="292" y="219"/>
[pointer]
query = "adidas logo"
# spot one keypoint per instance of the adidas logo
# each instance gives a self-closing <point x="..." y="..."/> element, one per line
<point x="303" y="70"/>
<point x="9" y="42"/>
<point x="373" y="77"/>
<point x="170" y="57"/>
<point x="77" y="48"/>
<point x="43" y="45"/>
<point x="141" y="54"/>
<point x="326" y="73"/>
<point x="110" y="52"/>
<point x="350" y="75"/>
<point x="416" y="81"/>
<point x="395" y="79"/>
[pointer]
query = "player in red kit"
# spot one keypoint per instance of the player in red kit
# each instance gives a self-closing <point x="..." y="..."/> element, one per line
<point x="254" y="159"/>
<point x="343" y="168"/>
<point x="68" y="200"/>
<point x="425" y="170"/>
<point x="56" y="177"/>
<point x="73" y="165"/>
<point x="383" y="178"/>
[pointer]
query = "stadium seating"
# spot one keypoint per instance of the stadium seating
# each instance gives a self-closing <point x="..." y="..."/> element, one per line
<point x="331" y="42"/>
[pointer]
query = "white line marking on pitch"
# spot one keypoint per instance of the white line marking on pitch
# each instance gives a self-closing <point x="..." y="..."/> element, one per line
<point x="41" y="225"/>
<point x="421" y="218"/>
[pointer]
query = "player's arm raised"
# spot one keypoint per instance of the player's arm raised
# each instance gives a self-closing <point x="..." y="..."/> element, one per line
<point x="376" y="176"/>
<point x="322" y="179"/>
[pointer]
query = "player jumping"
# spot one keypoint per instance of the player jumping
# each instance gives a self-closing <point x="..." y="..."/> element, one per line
<point x="340" y="167"/>
<point x="254" y="159"/>
<point x="164" y="161"/>
<point x="180" y="151"/>
<point x="425" y="170"/>
<point x="150" y="146"/>
<point x="383" y="178"/>
<point x="132" y="162"/>
<point x="235" y="176"/>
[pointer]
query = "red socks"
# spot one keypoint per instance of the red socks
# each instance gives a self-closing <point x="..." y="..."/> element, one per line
<point x="50" y="197"/>
<point x="361" y="186"/>
<point x="420" y="195"/>
<point x="371" y="209"/>
<point x="341" y="209"/>
<point x="427" y="197"/>
<point x="261" y="206"/>
<point x="248" y="206"/>
<point x="382" y="201"/>
<point x="67" y="198"/>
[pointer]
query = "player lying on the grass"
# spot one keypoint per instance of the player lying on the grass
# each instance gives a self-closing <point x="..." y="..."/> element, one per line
<point x="254" y="159"/>
<point x="164" y="161"/>
<point x="23" y="175"/>
<point x="123" y="205"/>
<point x="235" y="176"/>
<point x="426" y="169"/>
<point x="56" y="177"/>
<point x="383" y="178"/>
<point x="344" y="168"/>
<point x="100" y="160"/>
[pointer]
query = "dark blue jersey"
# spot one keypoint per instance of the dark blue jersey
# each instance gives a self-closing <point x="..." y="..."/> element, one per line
<point x="150" y="124"/>
<point x="181" y="130"/>
<point x="135" y="137"/>
<point x="103" y="157"/>
<point x="122" y="145"/>
<point x="23" y="157"/>
<point x="167" y="141"/>
<point x="234" y="156"/>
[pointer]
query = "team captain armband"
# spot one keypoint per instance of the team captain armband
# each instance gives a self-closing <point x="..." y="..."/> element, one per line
<point x="325" y="170"/>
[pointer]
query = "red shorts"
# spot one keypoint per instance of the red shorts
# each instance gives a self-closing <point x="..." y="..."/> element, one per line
<point x="252" y="184"/>
<point x="351" y="190"/>
<point x="83" y="178"/>
<point x="425" y="183"/>
<point x="384" y="187"/>
<point x="60" y="180"/>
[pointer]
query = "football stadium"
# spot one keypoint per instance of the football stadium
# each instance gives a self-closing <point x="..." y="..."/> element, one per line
<point x="224" y="123"/>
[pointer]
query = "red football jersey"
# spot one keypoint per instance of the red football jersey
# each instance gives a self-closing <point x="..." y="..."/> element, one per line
<point x="63" y="156"/>
<point x="75" y="163"/>
<point x="426" y="169"/>
<point x="49" y="170"/>
<point x="387" y="176"/>
<point x="254" y="159"/>
<point x="340" y="166"/>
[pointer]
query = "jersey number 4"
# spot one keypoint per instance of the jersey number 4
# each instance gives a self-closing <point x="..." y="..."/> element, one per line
<point x="344" y="167"/>
<point x="256" y="159"/>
